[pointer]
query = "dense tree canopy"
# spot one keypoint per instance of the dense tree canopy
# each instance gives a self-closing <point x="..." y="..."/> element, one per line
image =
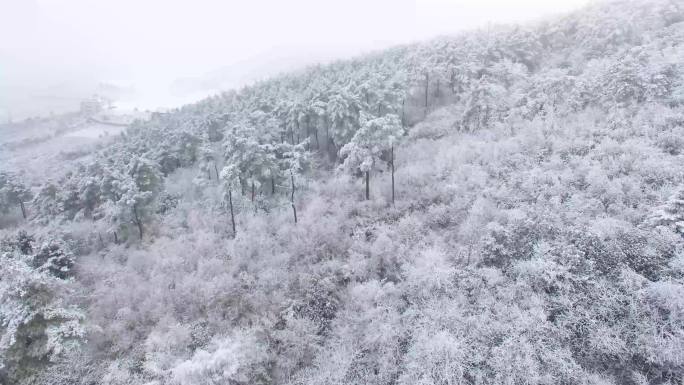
<point x="535" y="235"/>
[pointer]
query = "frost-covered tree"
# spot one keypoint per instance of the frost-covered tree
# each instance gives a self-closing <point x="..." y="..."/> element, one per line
<point x="315" y="109"/>
<point x="239" y="358"/>
<point x="255" y="160"/>
<point x="214" y="128"/>
<point x="138" y="197"/>
<point x="131" y="190"/>
<point x="363" y="153"/>
<point x="369" y="89"/>
<point x="89" y="195"/>
<point x="343" y="110"/>
<point x="293" y="161"/>
<point x="55" y="258"/>
<point x="13" y="193"/>
<point x="230" y="176"/>
<point x="428" y="73"/>
<point x="393" y="95"/>
<point x="485" y="104"/>
<point x="671" y="214"/>
<point x="636" y="77"/>
<point x="294" y="116"/>
<point x="37" y="325"/>
<point x="207" y="162"/>
<point x="23" y="242"/>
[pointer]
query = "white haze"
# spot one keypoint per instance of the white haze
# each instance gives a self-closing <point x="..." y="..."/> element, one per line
<point x="162" y="53"/>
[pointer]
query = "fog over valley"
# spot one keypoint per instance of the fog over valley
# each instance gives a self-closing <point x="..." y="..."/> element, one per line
<point x="163" y="54"/>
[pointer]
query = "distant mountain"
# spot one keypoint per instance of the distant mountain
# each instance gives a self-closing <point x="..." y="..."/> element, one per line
<point x="258" y="67"/>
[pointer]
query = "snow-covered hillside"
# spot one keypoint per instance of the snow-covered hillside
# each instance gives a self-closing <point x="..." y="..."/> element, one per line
<point x="504" y="206"/>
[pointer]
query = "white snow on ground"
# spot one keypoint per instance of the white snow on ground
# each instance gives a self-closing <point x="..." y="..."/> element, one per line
<point x="39" y="148"/>
<point x="96" y="131"/>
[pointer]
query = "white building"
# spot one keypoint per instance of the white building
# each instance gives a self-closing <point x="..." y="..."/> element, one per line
<point x="92" y="106"/>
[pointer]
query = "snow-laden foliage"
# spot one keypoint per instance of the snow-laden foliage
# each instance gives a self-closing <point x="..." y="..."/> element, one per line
<point x="524" y="225"/>
<point x="240" y="358"/>
<point x="13" y="193"/>
<point x="672" y="212"/>
<point x="37" y="326"/>
<point x="374" y="136"/>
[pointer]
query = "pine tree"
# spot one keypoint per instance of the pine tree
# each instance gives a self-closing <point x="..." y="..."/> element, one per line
<point x="55" y="258"/>
<point x="484" y="105"/>
<point x="130" y="190"/>
<point x="13" y="193"/>
<point x="207" y="162"/>
<point x="294" y="161"/>
<point x="229" y="178"/>
<point x="671" y="214"/>
<point x="36" y="324"/>
<point x="255" y="161"/>
<point x="363" y="153"/>
<point x="343" y="110"/>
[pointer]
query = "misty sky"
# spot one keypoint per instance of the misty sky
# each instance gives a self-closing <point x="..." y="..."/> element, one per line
<point x="67" y="45"/>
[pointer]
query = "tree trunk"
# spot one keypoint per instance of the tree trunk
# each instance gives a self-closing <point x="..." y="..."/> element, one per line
<point x="216" y="170"/>
<point x="294" y="209"/>
<point x="452" y="82"/>
<point x="327" y="135"/>
<point x="318" y="146"/>
<point x="23" y="209"/>
<point x="252" y="191"/>
<point x="403" y="113"/>
<point x="232" y="216"/>
<point x="116" y="238"/>
<point x="137" y="221"/>
<point x="308" y="132"/>
<point x="332" y="154"/>
<point x="427" y="87"/>
<point x="242" y="185"/>
<point x="297" y="132"/>
<point x="392" y="164"/>
<point x="272" y="186"/>
<point x="367" y="185"/>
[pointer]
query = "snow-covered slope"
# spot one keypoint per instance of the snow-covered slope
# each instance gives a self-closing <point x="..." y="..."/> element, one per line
<point x="535" y="235"/>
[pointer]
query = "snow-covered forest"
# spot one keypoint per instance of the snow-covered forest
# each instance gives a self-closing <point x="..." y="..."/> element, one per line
<point x="503" y="206"/>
